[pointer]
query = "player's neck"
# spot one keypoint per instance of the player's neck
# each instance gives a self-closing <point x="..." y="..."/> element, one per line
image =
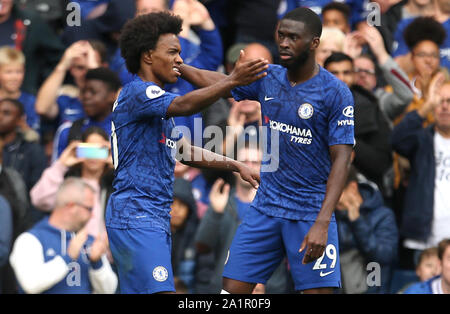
<point x="147" y="76"/>
<point x="303" y="73"/>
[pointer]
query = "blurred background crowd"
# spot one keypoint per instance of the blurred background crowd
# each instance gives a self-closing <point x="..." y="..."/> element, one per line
<point x="60" y="74"/>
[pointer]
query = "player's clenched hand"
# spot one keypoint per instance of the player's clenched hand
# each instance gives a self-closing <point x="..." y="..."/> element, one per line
<point x="314" y="242"/>
<point x="250" y="175"/>
<point x="246" y="72"/>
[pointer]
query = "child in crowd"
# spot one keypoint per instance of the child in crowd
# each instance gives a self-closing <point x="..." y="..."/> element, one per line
<point x="12" y="73"/>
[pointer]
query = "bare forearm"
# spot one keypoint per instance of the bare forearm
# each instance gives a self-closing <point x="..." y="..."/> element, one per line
<point x="201" y="158"/>
<point x="46" y="97"/>
<point x="336" y="182"/>
<point x="199" y="99"/>
<point x="200" y="78"/>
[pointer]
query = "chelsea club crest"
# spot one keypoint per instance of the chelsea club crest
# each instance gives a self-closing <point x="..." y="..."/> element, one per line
<point x="305" y="111"/>
<point x="160" y="273"/>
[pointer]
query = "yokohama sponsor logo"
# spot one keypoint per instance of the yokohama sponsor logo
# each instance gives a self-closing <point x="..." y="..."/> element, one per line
<point x="289" y="129"/>
<point x="298" y="135"/>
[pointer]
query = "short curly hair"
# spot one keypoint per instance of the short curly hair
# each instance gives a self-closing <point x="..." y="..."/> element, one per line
<point x="424" y="28"/>
<point x="142" y="33"/>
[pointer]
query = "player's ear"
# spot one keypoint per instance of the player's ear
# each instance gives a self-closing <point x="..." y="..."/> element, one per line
<point x="147" y="57"/>
<point x="315" y="43"/>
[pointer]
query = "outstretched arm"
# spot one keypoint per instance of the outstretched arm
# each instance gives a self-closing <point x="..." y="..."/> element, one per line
<point x="198" y="157"/>
<point x="243" y="74"/>
<point x="316" y="239"/>
<point x="200" y="78"/>
<point x="204" y="78"/>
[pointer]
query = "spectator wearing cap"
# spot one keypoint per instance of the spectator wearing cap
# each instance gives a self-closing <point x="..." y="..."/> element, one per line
<point x="28" y="33"/>
<point x="183" y="225"/>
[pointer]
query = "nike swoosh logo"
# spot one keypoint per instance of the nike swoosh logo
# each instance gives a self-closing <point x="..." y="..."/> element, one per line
<point x="326" y="274"/>
<point x="268" y="98"/>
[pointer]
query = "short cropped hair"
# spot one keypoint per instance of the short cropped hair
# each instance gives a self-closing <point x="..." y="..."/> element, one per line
<point x="11" y="55"/>
<point x="15" y="103"/>
<point x="141" y="34"/>
<point x="335" y="34"/>
<point x="100" y="48"/>
<point x="442" y="246"/>
<point x="337" y="57"/>
<point x="71" y="190"/>
<point x="308" y="17"/>
<point x="341" y="7"/>
<point x="110" y="78"/>
<point x="424" y="28"/>
<point x="432" y="251"/>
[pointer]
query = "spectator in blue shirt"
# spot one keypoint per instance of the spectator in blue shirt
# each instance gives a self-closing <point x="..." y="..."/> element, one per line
<point x="12" y="73"/>
<point x="97" y="96"/>
<point x="57" y="255"/>
<point x="439" y="284"/>
<point x="402" y="50"/>
<point x="62" y="102"/>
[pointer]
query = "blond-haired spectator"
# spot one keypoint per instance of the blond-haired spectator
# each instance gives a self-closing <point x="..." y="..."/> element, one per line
<point x="12" y="74"/>
<point x="331" y="40"/>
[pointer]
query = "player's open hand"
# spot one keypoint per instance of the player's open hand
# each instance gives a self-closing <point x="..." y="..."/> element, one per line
<point x="247" y="72"/>
<point x="314" y="242"/>
<point x="250" y="175"/>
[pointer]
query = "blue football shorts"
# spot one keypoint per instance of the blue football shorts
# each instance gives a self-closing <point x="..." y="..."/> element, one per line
<point x="143" y="259"/>
<point x="261" y="242"/>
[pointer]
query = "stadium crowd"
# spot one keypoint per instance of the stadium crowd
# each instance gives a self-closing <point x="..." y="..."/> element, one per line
<point x="61" y="71"/>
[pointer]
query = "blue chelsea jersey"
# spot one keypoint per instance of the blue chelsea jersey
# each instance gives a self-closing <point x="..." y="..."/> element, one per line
<point x="143" y="147"/>
<point x="300" y="123"/>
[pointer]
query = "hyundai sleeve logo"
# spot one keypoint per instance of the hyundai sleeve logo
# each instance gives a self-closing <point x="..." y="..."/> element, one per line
<point x="348" y="111"/>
